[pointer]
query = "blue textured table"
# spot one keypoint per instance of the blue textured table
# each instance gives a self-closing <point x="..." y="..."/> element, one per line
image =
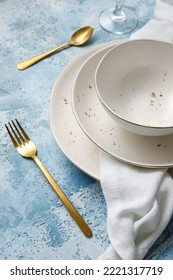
<point x="33" y="222"/>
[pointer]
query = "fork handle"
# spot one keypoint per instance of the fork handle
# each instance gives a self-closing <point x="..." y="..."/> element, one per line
<point x="72" y="210"/>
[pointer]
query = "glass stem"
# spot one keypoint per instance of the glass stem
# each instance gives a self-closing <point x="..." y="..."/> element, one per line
<point x="118" y="14"/>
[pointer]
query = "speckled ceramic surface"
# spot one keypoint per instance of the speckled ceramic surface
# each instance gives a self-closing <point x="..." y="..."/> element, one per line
<point x="33" y="222"/>
<point x="134" y="84"/>
<point x="106" y="133"/>
<point x="65" y="128"/>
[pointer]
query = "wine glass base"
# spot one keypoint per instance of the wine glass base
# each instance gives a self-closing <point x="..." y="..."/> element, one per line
<point x="118" y="26"/>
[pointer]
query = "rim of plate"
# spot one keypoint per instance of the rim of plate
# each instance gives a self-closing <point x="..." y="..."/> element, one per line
<point x="93" y="171"/>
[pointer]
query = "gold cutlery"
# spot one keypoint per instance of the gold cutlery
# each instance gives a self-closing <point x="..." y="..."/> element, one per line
<point x="27" y="148"/>
<point x="77" y="39"/>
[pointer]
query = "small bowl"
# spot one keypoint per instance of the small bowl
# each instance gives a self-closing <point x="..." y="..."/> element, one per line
<point x="134" y="82"/>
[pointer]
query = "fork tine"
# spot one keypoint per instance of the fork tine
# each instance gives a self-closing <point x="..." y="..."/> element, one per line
<point x="23" y="131"/>
<point x="15" y="134"/>
<point x="11" y="136"/>
<point x="19" y="133"/>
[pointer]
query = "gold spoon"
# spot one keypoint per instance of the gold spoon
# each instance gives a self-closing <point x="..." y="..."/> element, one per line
<point x="77" y="39"/>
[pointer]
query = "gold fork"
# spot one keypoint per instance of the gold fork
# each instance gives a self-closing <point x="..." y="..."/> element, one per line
<point x="27" y="148"/>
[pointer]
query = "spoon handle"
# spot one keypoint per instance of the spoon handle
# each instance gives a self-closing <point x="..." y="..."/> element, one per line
<point x="29" y="62"/>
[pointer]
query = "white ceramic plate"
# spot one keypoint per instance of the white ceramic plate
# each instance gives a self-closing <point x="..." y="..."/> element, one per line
<point x="103" y="131"/>
<point x="70" y="137"/>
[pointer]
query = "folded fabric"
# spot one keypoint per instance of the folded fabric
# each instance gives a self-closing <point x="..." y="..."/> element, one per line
<point x="139" y="200"/>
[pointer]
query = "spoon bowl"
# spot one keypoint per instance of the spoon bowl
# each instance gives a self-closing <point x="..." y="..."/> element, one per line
<point x="81" y="36"/>
<point x="78" y="38"/>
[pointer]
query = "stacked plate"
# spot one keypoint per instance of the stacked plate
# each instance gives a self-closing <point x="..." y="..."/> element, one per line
<point x="82" y="128"/>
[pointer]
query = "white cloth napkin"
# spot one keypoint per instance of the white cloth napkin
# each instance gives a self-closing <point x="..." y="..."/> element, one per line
<point x="139" y="200"/>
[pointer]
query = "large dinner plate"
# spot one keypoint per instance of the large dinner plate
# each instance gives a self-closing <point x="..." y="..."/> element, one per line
<point x="151" y="152"/>
<point x="70" y="137"/>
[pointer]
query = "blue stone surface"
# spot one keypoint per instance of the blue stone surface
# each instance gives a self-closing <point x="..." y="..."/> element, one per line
<point x="33" y="222"/>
